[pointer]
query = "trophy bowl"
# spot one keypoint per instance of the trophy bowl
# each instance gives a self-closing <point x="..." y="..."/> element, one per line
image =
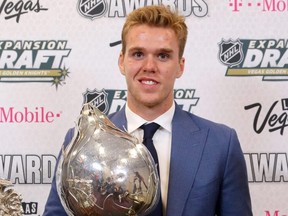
<point x="105" y="171"/>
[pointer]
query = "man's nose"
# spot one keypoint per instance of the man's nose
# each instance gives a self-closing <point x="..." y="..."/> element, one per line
<point x="150" y="64"/>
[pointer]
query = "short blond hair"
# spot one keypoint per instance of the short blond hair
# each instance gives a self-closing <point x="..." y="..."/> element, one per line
<point x="158" y="16"/>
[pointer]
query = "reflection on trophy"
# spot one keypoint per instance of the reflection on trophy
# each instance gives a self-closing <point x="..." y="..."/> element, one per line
<point x="105" y="171"/>
<point x="10" y="201"/>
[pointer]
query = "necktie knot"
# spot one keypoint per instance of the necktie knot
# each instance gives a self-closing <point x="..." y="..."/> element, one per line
<point x="149" y="130"/>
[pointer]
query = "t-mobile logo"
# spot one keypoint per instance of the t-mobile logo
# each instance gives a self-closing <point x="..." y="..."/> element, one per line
<point x="263" y="5"/>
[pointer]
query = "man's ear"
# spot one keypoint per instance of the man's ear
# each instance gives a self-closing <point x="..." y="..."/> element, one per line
<point x="181" y="67"/>
<point x="121" y="63"/>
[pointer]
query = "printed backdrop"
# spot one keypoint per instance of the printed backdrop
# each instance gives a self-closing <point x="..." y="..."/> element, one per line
<point x="57" y="55"/>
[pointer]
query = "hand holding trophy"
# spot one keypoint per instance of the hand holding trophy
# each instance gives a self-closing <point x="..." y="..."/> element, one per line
<point x="105" y="171"/>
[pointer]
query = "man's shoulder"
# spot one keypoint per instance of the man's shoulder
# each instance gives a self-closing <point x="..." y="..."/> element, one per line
<point x="203" y="122"/>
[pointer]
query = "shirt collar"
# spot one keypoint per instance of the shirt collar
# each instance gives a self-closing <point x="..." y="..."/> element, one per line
<point x="134" y="121"/>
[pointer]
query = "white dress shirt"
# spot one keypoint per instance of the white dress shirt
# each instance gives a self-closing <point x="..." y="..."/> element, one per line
<point x="161" y="140"/>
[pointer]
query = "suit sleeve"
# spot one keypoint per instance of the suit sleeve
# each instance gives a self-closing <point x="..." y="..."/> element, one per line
<point x="235" y="197"/>
<point x="53" y="205"/>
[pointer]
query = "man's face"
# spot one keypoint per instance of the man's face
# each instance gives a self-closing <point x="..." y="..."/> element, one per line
<point x="150" y="65"/>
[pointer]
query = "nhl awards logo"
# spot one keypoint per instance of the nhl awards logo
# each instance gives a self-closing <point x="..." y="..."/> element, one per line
<point x="92" y="8"/>
<point x="231" y="53"/>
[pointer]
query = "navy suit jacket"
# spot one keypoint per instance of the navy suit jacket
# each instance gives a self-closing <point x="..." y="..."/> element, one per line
<point x="207" y="170"/>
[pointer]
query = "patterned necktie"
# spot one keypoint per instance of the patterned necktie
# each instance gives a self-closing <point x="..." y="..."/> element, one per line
<point x="149" y="131"/>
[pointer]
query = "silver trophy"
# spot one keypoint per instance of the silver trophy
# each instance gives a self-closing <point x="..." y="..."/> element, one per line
<point x="105" y="171"/>
<point x="10" y="200"/>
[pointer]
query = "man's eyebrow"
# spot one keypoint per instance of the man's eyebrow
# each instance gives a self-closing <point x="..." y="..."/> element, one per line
<point x="135" y="49"/>
<point x="166" y="50"/>
<point x="160" y="50"/>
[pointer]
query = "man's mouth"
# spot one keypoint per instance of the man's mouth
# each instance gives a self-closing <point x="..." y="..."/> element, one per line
<point x="148" y="82"/>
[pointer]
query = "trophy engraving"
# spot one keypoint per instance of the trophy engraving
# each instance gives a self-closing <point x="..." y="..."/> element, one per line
<point x="10" y="201"/>
<point x="105" y="171"/>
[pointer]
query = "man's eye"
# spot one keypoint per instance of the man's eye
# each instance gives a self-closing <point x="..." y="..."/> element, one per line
<point x="137" y="54"/>
<point x="163" y="56"/>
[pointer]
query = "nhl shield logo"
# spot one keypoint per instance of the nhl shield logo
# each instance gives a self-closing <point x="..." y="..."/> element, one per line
<point x="98" y="99"/>
<point x="231" y="52"/>
<point x="92" y="8"/>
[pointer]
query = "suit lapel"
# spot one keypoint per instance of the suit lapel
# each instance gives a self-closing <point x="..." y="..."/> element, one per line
<point x="119" y="119"/>
<point x="188" y="142"/>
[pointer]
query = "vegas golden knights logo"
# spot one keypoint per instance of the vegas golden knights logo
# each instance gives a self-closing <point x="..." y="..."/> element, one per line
<point x="92" y="8"/>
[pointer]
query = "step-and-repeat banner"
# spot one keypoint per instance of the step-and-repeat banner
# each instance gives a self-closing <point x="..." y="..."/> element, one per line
<point x="57" y="55"/>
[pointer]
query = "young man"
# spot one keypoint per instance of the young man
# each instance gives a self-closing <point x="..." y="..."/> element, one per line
<point x="202" y="168"/>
